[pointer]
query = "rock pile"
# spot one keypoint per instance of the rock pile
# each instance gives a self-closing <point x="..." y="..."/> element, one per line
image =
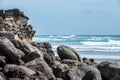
<point x="15" y="22"/>
<point x="21" y="60"/>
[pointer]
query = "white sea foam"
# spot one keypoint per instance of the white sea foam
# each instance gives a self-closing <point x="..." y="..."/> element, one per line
<point x="109" y="43"/>
<point x="100" y="56"/>
<point x="93" y="48"/>
<point x="66" y="36"/>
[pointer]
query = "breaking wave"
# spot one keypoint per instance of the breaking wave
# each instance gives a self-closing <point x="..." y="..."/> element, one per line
<point x="83" y="43"/>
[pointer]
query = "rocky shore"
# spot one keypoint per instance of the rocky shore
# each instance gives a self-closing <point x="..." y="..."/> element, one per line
<point x="23" y="59"/>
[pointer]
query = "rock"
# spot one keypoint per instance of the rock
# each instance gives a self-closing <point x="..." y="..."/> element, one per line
<point x="110" y="70"/>
<point x="74" y="74"/>
<point x="31" y="52"/>
<point x="40" y="46"/>
<point x="91" y="73"/>
<point x="12" y="12"/>
<point x="40" y="65"/>
<point x="2" y="61"/>
<point x="93" y="63"/>
<point x="14" y="71"/>
<point x="66" y="52"/>
<point x="22" y="22"/>
<point x="2" y="14"/>
<point x="1" y="19"/>
<point x="7" y="34"/>
<point x="47" y="45"/>
<point x="49" y="58"/>
<point x="59" y="69"/>
<point x="26" y="47"/>
<point x="46" y="48"/>
<point x="59" y="79"/>
<point x="2" y="77"/>
<point x="9" y="50"/>
<point x="31" y="57"/>
<point x="17" y="79"/>
<point x="13" y="20"/>
<point x="71" y="63"/>
<point x="86" y="60"/>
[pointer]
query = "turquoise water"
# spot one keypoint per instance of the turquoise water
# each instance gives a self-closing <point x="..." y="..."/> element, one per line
<point x="91" y="46"/>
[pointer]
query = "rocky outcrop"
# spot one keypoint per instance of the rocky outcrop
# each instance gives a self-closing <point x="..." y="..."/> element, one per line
<point x="13" y="21"/>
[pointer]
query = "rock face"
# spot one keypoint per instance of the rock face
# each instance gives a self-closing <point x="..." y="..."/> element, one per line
<point x="14" y="21"/>
<point x="110" y="70"/>
<point x="66" y="52"/>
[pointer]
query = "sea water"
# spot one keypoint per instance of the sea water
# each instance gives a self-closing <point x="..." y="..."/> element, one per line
<point x="90" y="46"/>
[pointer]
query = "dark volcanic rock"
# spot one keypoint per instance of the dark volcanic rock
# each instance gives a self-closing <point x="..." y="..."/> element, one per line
<point x="7" y="34"/>
<point x="74" y="74"/>
<point x="110" y="70"/>
<point x="9" y="50"/>
<point x="48" y="53"/>
<point x="31" y="56"/>
<point x="40" y="65"/>
<point x="2" y="61"/>
<point x="66" y="52"/>
<point x="91" y="73"/>
<point x="14" y="71"/>
<point x="49" y="58"/>
<point x="31" y="52"/>
<point x="59" y="69"/>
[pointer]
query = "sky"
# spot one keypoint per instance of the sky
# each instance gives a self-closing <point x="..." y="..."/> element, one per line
<point x="70" y="17"/>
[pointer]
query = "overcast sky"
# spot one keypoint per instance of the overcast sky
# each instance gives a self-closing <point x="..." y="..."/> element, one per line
<point x="70" y="17"/>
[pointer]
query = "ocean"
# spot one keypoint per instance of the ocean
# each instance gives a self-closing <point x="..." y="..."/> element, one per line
<point x="90" y="46"/>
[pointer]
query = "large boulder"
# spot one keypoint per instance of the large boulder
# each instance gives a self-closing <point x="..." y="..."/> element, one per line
<point x="110" y="70"/>
<point x="74" y="74"/>
<point x="91" y="73"/>
<point x="40" y="65"/>
<point x="48" y="53"/>
<point x="66" y="52"/>
<point x="10" y="51"/>
<point x="31" y="52"/>
<point x="15" y="71"/>
<point x="59" y="69"/>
